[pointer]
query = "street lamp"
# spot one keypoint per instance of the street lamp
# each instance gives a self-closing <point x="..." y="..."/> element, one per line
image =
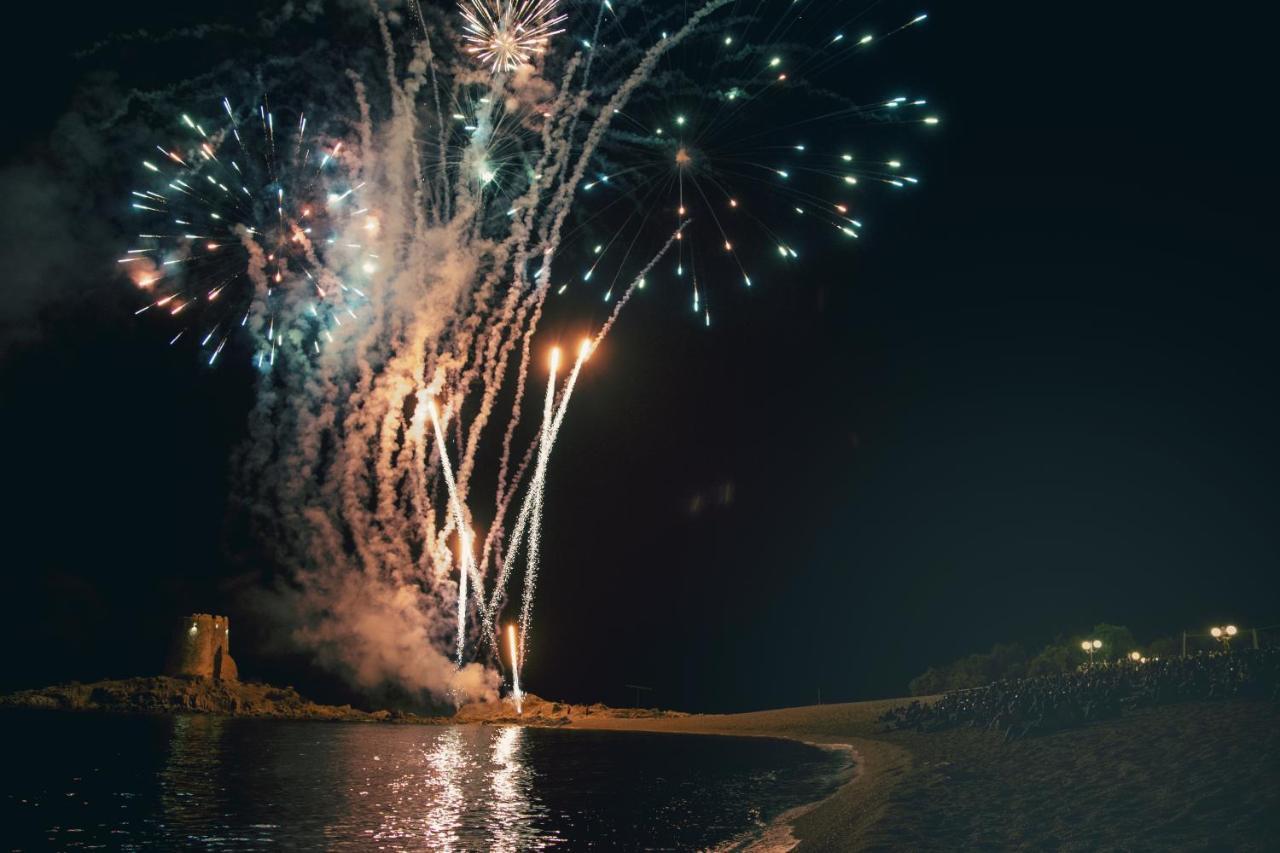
<point x="1224" y="634"/>
<point x="1136" y="657"/>
<point x="1091" y="646"/>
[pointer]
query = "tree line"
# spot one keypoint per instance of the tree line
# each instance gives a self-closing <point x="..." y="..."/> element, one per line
<point x="1014" y="660"/>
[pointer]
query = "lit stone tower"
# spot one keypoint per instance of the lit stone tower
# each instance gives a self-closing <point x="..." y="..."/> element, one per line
<point x="202" y="647"/>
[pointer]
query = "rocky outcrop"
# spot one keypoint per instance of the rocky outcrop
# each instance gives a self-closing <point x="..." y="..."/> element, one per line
<point x="197" y="695"/>
<point x="166" y="695"/>
<point x="536" y="711"/>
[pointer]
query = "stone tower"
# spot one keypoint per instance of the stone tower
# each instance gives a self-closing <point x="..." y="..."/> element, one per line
<point x="202" y="647"/>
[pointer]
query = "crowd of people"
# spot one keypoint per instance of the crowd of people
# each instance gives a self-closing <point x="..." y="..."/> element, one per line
<point x="1029" y="706"/>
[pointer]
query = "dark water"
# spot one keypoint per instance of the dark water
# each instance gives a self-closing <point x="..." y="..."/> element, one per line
<point x="192" y="781"/>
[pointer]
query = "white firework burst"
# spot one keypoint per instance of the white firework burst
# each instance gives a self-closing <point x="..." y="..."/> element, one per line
<point x="505" y="34"/>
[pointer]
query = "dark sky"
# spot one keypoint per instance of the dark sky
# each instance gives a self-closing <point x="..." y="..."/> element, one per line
<point x="1040" y="395"/>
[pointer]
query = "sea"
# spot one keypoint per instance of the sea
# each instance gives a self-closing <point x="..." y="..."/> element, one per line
<point x="96" y="781"/>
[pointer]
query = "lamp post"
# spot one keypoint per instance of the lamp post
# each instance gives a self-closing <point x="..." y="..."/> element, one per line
<point x="1224" y="635"/>
<point x="1091" y="646"/>
<point x="1135" y="656"/>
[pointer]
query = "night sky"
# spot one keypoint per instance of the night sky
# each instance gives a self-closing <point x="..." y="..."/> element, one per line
<point x="1039" y="394"/>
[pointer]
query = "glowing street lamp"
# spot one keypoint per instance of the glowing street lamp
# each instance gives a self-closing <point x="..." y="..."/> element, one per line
<point x="1224" y="634"/>
<point x="1091" y="646"/>
<point x="1136" y="657"/>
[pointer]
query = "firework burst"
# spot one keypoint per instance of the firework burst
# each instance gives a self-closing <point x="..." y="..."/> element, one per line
<point x="505" y="34"/>
<point x="741" y="148"/>
<point x="230" y="222"/>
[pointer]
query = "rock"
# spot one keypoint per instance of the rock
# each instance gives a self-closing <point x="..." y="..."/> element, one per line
<point x="193" y="694"/>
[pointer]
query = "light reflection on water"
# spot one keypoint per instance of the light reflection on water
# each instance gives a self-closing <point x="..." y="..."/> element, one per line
<point x="255" y="784"/>
<point x="418" y="789"/>
<point x="427" y="798"/>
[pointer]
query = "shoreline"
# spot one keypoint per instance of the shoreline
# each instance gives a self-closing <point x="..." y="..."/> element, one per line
<point x="834" y="822"/>
<point x="778" y="835"/>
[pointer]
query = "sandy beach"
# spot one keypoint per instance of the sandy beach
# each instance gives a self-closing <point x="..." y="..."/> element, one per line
<point x="1193" y="776"/>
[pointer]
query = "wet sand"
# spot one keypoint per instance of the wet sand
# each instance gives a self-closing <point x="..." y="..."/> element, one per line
<point x="1195" y="776"/>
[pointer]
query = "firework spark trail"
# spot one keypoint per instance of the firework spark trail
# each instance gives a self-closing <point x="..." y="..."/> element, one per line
<point x="636" y="284"/>
<point x="537" y="492"/>
<point x="516" y="693"/>
<point x="533" y="497"/>
<point x="550" y="166"/>
<point x="464" y="540"/>
<point x="511" y="315"/>
<point x="457" y="498"/>
<point x="522" y="519"/>
<point x="507" y="563"/>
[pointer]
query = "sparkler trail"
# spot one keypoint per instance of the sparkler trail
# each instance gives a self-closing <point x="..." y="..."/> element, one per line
<point x="516" y="694"/>
<point x="385" y="257"/>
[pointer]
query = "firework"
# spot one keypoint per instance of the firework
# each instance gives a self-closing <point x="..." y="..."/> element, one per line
<point x="748" y="155"/>
<point x="505" y="34"/>
<point x="516" y="695"/>
<point x="233" y="225"/>
<point x="388" y="270"/>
